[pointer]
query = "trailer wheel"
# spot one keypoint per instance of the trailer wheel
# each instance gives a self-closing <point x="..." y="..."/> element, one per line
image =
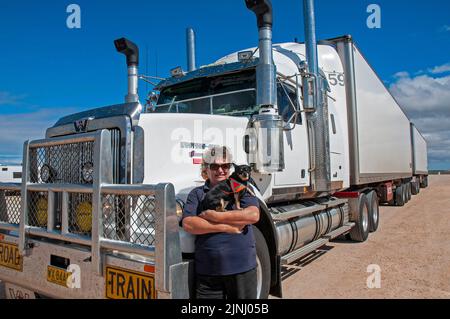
<point x="408" y="191"/>
<point x="360" y="231"/>
<point x="263" y="265"/>
<point x="399" y="197"/>
<point x="374" y="211"/>
<point x="414" y="188"/>
<point x="426" y="182"/>
<point x="405" y="193"/>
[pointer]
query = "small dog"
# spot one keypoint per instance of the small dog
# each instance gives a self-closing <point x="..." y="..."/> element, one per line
<point x="234" y="187"/>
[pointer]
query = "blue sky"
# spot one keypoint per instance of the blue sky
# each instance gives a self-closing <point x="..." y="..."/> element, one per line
<point x="48" y="70"/>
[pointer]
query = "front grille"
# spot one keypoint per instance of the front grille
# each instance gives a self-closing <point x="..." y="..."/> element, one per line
<point x="129" y="218"/>
<point x="65" y="162"/>
<point x="10" y="206"/>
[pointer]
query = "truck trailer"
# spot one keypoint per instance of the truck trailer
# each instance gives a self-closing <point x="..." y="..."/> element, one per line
<point x="97" y="212"/>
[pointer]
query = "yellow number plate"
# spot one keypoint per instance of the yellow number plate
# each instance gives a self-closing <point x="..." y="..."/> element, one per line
<point x="128" y="284"/>
<point x="10" y="257"/>
<point x="57" y="275"/>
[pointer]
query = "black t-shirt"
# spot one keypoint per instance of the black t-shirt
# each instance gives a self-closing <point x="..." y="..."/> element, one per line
<point x="220" y="254"/>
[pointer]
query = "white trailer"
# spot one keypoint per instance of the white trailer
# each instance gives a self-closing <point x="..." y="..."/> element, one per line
<point x="10" y="173"/>
<point x="420" y="160"/>
<point x="326" y="141"/>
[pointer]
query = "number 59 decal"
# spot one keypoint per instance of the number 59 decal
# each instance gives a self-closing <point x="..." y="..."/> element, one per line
<point x="335" y="78"/>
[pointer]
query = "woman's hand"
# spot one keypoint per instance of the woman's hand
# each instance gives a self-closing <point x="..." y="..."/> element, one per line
<point x="211" y="215"/>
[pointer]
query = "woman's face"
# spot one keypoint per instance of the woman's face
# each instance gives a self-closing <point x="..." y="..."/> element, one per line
<point x="218" y="171"/>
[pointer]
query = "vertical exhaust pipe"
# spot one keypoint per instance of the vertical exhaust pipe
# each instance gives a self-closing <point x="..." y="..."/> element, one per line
<point x="131" y="51"/>
<point x="190" y="48"/>
<point x="264" y="142"/>
<point x="317" y="120"/>
<point x="265" y="71"/>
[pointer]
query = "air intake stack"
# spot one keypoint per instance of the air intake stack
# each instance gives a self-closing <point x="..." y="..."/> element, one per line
<point x="131" y="51"/>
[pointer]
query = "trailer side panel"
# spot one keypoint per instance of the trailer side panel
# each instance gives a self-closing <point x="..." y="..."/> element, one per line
<point x="419" y="145"/>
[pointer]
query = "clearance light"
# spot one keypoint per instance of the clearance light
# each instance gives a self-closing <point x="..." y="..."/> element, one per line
<point x="149" y="268"/>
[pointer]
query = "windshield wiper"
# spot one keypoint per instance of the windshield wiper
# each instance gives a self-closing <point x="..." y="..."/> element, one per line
<point x="171" y="103"/>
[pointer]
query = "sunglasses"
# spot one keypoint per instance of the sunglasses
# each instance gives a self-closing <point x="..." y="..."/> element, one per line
<point x="215" y="167"/>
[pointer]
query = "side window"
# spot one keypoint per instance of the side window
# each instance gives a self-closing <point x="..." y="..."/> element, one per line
<point x="285" y="107"/>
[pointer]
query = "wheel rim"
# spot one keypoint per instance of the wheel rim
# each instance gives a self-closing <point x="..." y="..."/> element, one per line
<point x="258" y="277"/>
<point x="365" y="218"/>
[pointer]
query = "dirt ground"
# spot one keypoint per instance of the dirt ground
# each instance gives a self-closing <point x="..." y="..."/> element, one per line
<point x="411" y="248"/>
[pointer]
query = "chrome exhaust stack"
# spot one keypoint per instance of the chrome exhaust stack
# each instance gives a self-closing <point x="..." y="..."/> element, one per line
<point x="190" y="48"/>
<point x="315" y="103"/>
<point x="131" y="51"/>
<point x="264" y="141"/>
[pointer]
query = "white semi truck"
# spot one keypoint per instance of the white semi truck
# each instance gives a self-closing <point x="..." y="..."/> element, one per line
<point x="97" y="213"/>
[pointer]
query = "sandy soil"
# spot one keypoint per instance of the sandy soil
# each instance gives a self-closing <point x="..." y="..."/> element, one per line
<point x="411" y="247"/>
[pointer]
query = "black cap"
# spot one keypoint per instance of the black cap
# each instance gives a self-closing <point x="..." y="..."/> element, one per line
<point x="128" y="48"/>
<point x="262" y="10"/>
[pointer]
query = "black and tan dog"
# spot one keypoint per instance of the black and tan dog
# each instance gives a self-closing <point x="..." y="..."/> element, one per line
<point x="233" y="188"/>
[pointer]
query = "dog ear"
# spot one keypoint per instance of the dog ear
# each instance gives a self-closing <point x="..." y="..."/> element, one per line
<point x="235" y="166"/>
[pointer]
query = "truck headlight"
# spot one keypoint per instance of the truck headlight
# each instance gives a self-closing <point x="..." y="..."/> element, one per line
<point x="179" y="209"/>
<point x="41" y="212"/>
<point x="47" y="173"/>
<point x="87" y="172"/>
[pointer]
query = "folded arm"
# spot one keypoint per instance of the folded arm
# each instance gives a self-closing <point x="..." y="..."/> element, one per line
<point x="246" y="216"/>
<point x="198" y="226"/>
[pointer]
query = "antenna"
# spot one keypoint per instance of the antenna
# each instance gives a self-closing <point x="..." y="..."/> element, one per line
<point x="146" y="66"/>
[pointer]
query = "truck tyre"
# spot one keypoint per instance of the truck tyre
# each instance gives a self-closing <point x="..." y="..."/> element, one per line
<point x="374" y="211"/>
<point x="424" y="183"/>
<point x="399" y="198"/>
<point x="263" y="265"/>
<point x="360" y="231"/>
<point x="408" y="191"/>
<point x="414" y="189"/>
<point x="405" y="193"/>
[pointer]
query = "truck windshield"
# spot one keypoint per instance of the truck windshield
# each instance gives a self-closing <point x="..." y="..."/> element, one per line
<point x="230" y="94"/>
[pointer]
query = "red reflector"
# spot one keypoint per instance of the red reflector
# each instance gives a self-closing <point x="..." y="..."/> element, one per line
<point x="196" y="161"/>
<point x="149" y="268"/>
<point x="346" y="194"/>
<point x="2" y="237"/>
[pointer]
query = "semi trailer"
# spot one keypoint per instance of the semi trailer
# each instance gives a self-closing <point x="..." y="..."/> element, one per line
<point x="10" y="173"/>
<point x="97" y="212"/>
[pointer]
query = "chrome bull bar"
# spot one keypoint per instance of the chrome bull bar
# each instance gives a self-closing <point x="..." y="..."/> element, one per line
<point x="165" y="248"/>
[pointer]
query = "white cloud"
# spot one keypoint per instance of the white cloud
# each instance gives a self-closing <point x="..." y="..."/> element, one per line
<point x="401" y="74"/>
<point x="440" y="69"/>
<point x="15" y="129"/>
<point x="423" y="93"/>
<point x="426" y="101"/>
